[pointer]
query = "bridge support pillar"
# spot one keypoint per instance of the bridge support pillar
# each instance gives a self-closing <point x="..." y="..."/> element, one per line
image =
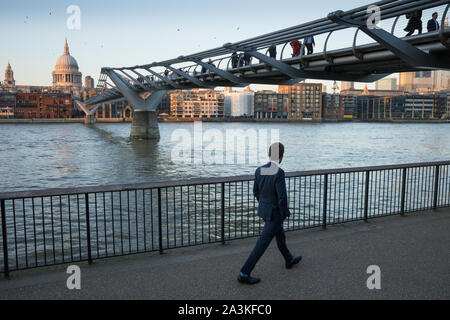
<point x="90" y="119"/>
<point x="144" y="125"/>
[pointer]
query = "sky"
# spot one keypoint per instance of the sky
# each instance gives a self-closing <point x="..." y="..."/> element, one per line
<point x="127" y="33"/>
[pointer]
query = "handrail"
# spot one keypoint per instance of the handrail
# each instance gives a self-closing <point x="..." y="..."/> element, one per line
<point x="150" y="213"/>
<point x="197" y="181"/>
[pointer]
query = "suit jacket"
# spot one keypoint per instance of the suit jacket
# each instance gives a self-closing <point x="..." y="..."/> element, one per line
<point x="270" y="190"/>
<point x="431" y="26"/>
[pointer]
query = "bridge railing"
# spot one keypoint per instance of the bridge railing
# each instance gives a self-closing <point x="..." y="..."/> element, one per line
<point x="49" y="227"/>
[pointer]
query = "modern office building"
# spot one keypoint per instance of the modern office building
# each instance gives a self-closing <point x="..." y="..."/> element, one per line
<point x="239" y="104"/>
<point x="386" y="84"/>
<point x="347" y="85"/>
<point x="350" y="102"/>
<point x="406" y="81"/>
<point x="404" y="107"/>
<point x="417" y="107"/>
<point x="89" y="82"/>
<point x="374" y="107"/>
<point x="305" y="100"/>
<point x="424" y="81"/>
<point x="271" y="105"/>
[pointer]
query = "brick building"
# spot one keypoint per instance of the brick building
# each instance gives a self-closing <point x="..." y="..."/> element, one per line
<point x="43" y="105"/>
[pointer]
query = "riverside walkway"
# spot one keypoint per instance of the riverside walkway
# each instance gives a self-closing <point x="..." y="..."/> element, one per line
<point x="412" y="252"/>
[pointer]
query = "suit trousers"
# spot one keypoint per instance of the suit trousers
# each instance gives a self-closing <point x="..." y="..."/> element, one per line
<point x="272" y="228"/>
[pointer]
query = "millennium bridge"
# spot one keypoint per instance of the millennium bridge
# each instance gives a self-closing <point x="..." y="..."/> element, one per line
<point x="389" y="51"/>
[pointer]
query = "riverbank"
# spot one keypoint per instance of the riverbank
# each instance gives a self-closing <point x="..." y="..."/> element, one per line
<point x="214" y="120"/>
<point x="251" y="120"/>
<point x="60" y="121"/>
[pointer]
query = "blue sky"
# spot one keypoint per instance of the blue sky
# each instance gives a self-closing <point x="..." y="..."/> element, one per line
<point x="118" y="33"/>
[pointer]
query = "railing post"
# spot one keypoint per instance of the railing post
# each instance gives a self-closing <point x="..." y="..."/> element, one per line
<point x="88" y="228"/>
<point x="402" y="210"/>
<point x="5" y="240"/>
<point x="325" y="198"/>
<point x="366" y="196"/>
<point x="160" y="221"/>
<point x="436" y="187"/>
<point x="222" y="198"/>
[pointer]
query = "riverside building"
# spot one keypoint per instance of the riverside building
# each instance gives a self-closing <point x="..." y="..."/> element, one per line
<point x="197" y="104"/>
<point x="304" y="101"/>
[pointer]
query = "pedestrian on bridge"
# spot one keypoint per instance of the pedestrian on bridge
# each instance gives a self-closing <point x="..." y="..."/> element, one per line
<point x="241" y="60"/>
<point x="247" y="59"/>
<point x="234" y="60"/>
<point x="273" y="51"/>
<point x="433" y="25"/>
<point x="269" y="188"/>
<point x="310" y="43"/>
<point x="414" y="22"/>
<point x="295" y="48"/>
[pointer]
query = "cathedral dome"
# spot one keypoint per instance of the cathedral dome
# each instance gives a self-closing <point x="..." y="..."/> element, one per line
<point x="66" y="72"/>
<point x="66" y="62"/>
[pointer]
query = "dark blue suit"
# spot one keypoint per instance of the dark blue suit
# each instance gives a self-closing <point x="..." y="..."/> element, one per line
<point x="270" y="190"/>
<point x="432" y="25"/>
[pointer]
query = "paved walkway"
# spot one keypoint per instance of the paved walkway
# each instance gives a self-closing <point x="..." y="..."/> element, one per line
<point x="412" y="252"/>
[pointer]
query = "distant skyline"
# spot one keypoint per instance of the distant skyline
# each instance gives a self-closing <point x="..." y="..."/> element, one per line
<point x="116" y="33"/>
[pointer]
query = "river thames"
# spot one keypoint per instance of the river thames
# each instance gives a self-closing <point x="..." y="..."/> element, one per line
<point x="72" y="155"/>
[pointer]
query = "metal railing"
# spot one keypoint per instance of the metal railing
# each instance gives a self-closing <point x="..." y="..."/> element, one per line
<point x="55" y="226"/>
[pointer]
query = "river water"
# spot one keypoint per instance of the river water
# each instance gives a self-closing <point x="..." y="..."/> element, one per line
<point x="51" y="230"/>
<point x="72" y="155"/>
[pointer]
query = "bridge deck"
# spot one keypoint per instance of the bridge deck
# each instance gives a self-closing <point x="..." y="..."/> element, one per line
<point x="412" y="252"/>
<point x="376" y="60"/>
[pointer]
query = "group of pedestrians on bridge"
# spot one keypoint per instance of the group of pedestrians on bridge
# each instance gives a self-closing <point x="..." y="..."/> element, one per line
<point x="242" y="59"/>
<point x="415" y="22"/>
<point x="297" y="45"/>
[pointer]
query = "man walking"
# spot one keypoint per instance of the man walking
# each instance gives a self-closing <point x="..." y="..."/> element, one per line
<point x="414" y="22"/>
<point x="433" y="25"/>
<point x="310" y="43"/>
<point x="270" y="190"/>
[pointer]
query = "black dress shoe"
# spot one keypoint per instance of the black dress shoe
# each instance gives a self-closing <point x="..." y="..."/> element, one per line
<point x="248" y="279"/>
<point x="293" y="262"/>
